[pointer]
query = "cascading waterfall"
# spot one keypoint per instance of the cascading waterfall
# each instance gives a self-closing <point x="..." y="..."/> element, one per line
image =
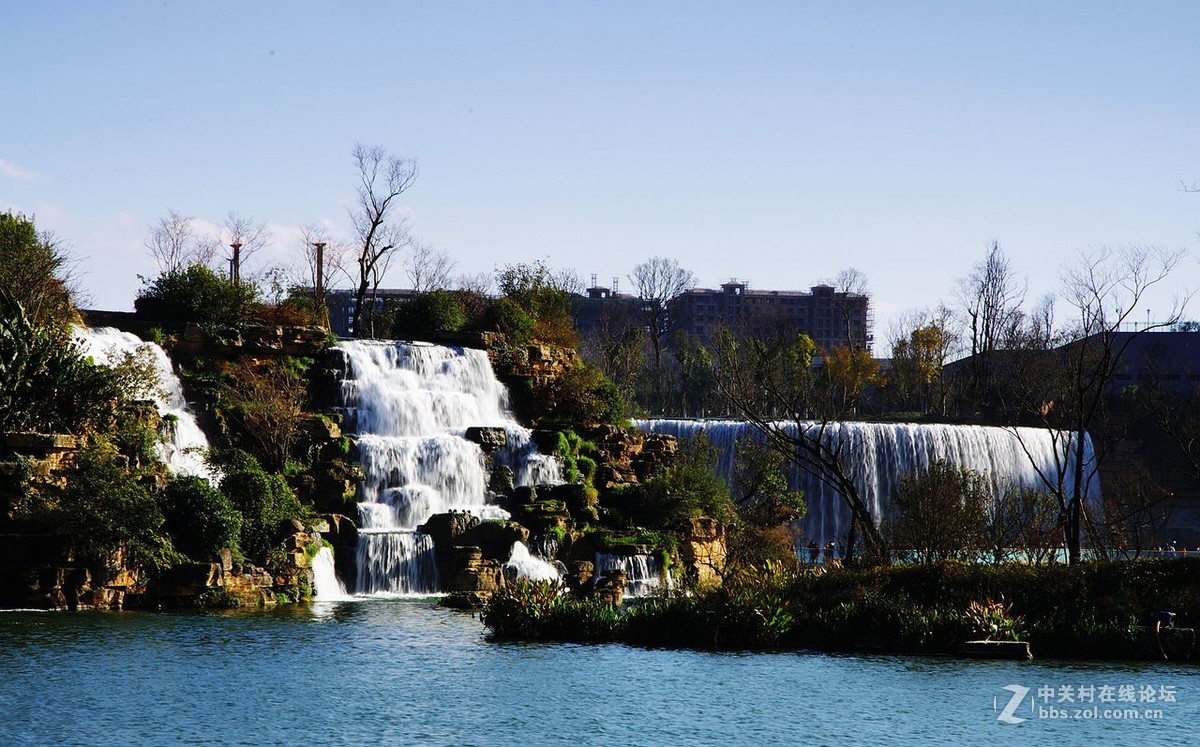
<point x="523" y="564"/>
<point x="643" y="573"/>
<point x="184" y="445"/>
<point x="409" y="405"/>
<point x="326" y="585"/>
<point x="882" y="452"/>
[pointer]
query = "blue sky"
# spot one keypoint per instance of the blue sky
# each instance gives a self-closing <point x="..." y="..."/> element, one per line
<point x="775" y="142"/>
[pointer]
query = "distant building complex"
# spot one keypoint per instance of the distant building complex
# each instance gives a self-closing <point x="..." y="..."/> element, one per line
<point x="830" y="317"/>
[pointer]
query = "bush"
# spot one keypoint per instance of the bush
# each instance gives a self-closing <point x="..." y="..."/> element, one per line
<point x="436" y="311"/>
<point x="583" y="395"/>
<point x="34" y="269"/>
<point x="686" y="487"/>
<point x="45" y="382"/>
<point x="199" y="518"/>
<point x="264" y="500"/>
<point x="196" y="294"/>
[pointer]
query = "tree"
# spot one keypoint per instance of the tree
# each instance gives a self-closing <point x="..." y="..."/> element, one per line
<point x="773" y="385"/>
<point x="1070" y="392"/>
<point x="851" y="283"/>
<point x="656" y="281"/>
<point x="379" y="228"/>
<point x="36" y="269"/>
<point x="990" y="298"/>
<point x="535" y="291"/>
<point x="175" y="244"/>
<point x="849" y="371"/>
<point x="918" y="362"/>
<point x="267" y="401"/>
<point x="428" y="269"/>
<point x="939" y="513"/>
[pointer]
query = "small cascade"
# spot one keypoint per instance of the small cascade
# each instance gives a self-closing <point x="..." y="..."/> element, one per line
<point x="409" y="405"/>
<point x="522" y="564"/>
<point x="327" y="587"/>
<point x="643" y="572"/>
<point x="883" y="452"/>
<point x="184" y="444"/>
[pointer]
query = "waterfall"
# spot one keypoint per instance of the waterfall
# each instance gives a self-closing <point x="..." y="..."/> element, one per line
<point x="327" y="587"/>
<point x="409" y="405"/>
<point x="522" y="564"/>
<point x="883" y="452"/>
<point x="643" y="572"/>
<point x="183" y="445"/>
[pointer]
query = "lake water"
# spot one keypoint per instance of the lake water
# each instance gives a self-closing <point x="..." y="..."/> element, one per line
<point x="403" y="672"/>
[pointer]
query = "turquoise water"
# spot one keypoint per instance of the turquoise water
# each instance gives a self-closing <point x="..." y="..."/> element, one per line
<point x="403" y="672"/>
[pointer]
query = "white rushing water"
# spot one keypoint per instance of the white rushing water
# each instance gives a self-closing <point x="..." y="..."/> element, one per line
<point x="409" y="405"/>
<point x="327" y="587"/>
<point x="183" y="444"/>
<point x="880" y="453"/>
<point x="643" y="573"/>
<point x="524" y="564"/>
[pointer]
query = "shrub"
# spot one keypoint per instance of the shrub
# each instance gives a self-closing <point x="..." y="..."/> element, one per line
<point x="199" y="518"/>
<point x="264" y="500"/>
<point x="685" y="487"/>
<point x="436" y="311"/>
<point x="34" y="269"/>
<point x="196" y="294"/>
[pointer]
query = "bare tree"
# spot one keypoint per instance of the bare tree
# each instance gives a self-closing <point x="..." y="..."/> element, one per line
<point x="175" y="243"/>
<point x="242" y="238"/>
<point x="428" y="269"/>
<point x="850" y="285"/>
<point x="1071" y="392"/>
<point x="481" y="283"/>
<point x="379" y="227"/>
<point x="656" y="281"/>
<point x="990" y="297"/>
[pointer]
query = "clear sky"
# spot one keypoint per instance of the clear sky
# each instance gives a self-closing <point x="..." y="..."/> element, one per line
<point x="774" y="142"/>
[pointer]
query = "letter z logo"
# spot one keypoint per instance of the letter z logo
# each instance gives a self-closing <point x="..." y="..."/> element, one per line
<point x="1018" y="696"/>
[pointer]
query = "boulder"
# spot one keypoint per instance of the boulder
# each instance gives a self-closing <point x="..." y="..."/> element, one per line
<point x="489" y="438"/>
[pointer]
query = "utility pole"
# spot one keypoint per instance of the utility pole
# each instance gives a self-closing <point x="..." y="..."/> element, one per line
<point x="235" y="263"/>
<point x="319" y="285"/>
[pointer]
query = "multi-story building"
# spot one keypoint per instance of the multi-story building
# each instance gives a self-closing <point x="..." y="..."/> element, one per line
<point x="830" y="317"/>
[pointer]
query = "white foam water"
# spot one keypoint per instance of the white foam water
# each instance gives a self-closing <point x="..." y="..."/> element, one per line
<point x="409" y="405"/>
<point x="881" y="453"/>
<point x="327" y="587"/>
<point x="643" y="572"/>
<point x="183" y="445"/>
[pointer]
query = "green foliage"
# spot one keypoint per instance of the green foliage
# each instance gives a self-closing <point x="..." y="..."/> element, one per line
<point x="527" y="609"/>
<point x="993" y="621"/>
<point x="45" y="383"/>
<point x="435" y="311"/>
<point x="34" y="269"/>
<point x="199" y="518"/>
<point x="104" y="509"/>
<point x="542" y="298"/>
<point x="763" y="496"/>
<point x="686" y="487"/>
<point x="939" y="513"/>
<point x="265" y="500"/>
<point x="196" y="294"/>
<point x="583" y="395"/>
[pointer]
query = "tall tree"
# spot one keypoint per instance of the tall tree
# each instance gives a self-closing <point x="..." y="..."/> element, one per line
<point x="1070" y="394"/>
<point x="36" y="270"/>
<point x="657" y="281"/>
<point x="175" y="243"/>
<point x="990" y="297"/>
<point x="772" y="384"/>
<point x="428" y="269"/>
<point x="379" y="226"/>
